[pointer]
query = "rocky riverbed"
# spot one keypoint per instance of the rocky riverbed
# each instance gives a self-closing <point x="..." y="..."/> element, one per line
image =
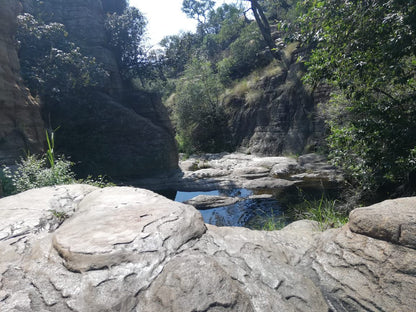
<point x="232" y="171"/>
<point x="244" y="190"/>
<point x="79" y="248"/>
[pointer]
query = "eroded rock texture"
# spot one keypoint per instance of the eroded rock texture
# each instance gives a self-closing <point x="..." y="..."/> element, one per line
<point x="114" y="131"/>
<point x="21" y="126"/>
<point x="79" y="248"/>
<point x="282" y="117"/>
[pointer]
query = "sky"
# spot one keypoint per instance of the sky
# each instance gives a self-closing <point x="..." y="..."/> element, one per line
<point x="166" y="18"/>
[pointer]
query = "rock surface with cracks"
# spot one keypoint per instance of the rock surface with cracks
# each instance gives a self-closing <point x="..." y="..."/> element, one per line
<point x="80" y="248"/>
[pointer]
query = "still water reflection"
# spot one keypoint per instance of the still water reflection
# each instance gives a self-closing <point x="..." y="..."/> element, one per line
<point x="251" y="211"/>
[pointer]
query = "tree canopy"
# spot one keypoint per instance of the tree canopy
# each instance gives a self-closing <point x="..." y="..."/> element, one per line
<point x="365" y="50"/>
<point x="126" y="32"/>
<point x="51" y="65"/>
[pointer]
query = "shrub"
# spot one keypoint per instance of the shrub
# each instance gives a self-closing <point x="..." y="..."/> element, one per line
<point x="324" y="211"/>
<point x="39" y="171"/>
<point x="33" y="172"/>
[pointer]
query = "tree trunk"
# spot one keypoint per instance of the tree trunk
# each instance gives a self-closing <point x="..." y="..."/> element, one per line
<point x="264" y="27"/>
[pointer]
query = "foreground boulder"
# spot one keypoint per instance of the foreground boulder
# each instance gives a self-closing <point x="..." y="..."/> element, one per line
<point x="80" y="248"/>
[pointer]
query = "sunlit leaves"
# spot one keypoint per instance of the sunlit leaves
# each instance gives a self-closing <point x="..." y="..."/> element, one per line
<point x="365" y="51"/>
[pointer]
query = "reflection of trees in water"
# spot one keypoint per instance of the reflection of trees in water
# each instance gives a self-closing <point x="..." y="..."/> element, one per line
<point x="248" y="213"/>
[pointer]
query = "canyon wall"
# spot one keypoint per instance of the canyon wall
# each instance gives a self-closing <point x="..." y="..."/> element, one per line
<point x="21" y="126"/>
<point x="116" y="131"/>
<point x="278" y="114"/>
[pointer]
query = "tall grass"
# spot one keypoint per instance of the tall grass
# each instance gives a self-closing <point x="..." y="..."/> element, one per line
<point x="324" y="211"/>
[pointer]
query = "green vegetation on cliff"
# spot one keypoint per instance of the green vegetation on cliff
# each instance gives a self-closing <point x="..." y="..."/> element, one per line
<point x="365" y="50"/>
<point x="362" y="51"/>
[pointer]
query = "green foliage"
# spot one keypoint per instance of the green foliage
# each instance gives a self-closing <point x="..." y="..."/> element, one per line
<point x="365" y="51"/>
<point x="115" y="6"/>
<point x="199" y="118"/>
<point x="6" y="183"/>
<point x="52" y="66"/>
<point x="244" y="55"/>
<point x="61" y="216"/>
<point x="268" y="221"/>
<point x="197" y="9"/>
<point x="33" y="172"/>
<point x="324" y="211"/>
<point x="179" y="50"/>
<point x="126" y="32"/>
<point x="39" y="171"/>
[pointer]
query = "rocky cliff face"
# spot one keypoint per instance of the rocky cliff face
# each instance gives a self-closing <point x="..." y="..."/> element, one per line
<point x="282" y="118"/>
<point x="21" y="127"/>
<point x="116" y="131"/>
<point x="80" y="248"/>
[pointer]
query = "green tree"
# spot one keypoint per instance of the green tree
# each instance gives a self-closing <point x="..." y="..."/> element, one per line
<point x="179" y="50"/>
<point x="115" y="6"/>
<point x="265" y="30"/>
<point x="365" y="50"/>
<point x="197" y="9"/>
<point x="52" y="66"/>
<point x="126" y="37"/>
<point x="243" y="55"/>
<point x="199" y="118"/>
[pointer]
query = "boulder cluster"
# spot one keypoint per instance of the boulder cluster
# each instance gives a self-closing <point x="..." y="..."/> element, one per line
<point x="81" y="248"/>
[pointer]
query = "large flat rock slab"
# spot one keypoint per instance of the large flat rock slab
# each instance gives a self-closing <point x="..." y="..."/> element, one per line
<point x="116" y="224"/>
<point x="190" y="282"/>
<point x="238" y="170"/>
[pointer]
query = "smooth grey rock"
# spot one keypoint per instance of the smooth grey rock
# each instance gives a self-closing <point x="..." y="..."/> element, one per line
<point x="392" y="220"/>
<point x="211" y="201"/>
<point x="285" y="168"/>
<point x="268" y="183"/>
<point x="114" y="245"/>
<point x="232" y="171"/>
<point x="262" y="268"/>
